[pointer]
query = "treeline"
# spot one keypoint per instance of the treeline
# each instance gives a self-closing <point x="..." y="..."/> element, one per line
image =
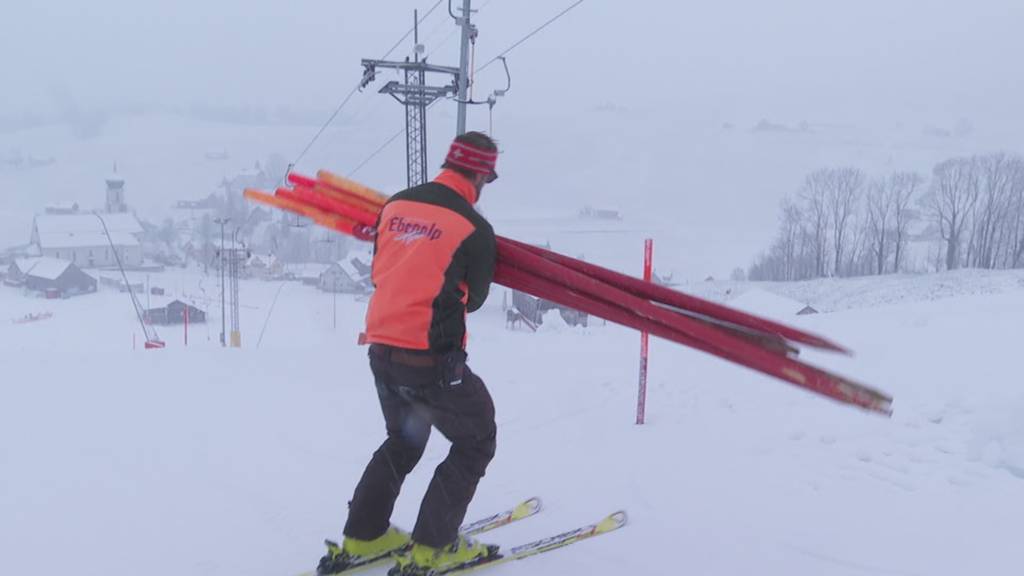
<point x="843" y="223"/>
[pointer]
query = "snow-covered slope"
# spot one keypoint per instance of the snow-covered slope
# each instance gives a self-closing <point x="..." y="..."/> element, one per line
<point x="203" y="461"/>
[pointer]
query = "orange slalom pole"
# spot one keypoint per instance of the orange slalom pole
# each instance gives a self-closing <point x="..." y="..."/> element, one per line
<point x="327" y="220"/>
<point x="352" y="187"/>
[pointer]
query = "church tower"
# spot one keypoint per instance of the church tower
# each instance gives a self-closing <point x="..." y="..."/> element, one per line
<point x="115" y="194"/>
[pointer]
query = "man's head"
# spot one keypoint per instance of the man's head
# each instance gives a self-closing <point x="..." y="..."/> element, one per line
<point x="474" y="155"/>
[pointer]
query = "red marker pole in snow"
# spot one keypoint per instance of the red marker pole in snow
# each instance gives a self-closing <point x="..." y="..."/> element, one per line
<point x="186" y="325"/>
<point x="641" y="399"/>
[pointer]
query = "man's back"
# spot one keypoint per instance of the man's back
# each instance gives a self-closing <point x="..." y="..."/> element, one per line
<point x="434" y="261"/>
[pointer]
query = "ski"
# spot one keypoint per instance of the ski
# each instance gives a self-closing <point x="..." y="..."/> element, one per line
<point x="524" y="509"/>
<point x="520" y="511"/>
<point x="608" y="524"/>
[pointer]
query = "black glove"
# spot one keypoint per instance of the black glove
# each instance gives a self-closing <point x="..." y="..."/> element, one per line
<point x="451" y="368"/>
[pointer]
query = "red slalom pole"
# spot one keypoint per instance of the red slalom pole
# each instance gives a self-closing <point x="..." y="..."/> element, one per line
<point x="641" y="399"/>
<point x="685" y="303"/>
<point x="559" y="284"/>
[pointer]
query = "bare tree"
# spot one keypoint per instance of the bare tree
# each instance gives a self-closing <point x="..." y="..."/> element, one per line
<point x="844" y="186"/>
<point x="988" y="245"/>
<point x="860" y="259"/>
<point x="904" y="186"/>
<point x="833" y="228"/>
<point x="879" y="208"/>
<point x="954" y="193"/>
<point x="786" y="258"/>
<point x="805" y="265"/>
<point x="206" y="232"/>
<point x="168" y="232"/>
<point x="814" y="195"/>
<point x="1017" y="235"/>
<point x="789" y="238"/>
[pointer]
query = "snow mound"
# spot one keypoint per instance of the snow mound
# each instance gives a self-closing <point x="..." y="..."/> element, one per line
<point x="999" y="437"/>
<point x="764" y="303"/>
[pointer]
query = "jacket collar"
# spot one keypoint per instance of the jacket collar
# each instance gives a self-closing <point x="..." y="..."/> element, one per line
<point x="459" y="183"/>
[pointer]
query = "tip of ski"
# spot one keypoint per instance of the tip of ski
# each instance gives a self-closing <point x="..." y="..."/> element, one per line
<point x="609" y="523"/>
<point x="520" y="511"/>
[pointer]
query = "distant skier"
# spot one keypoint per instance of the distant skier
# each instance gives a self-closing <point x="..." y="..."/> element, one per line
<point x="433" y="263"/>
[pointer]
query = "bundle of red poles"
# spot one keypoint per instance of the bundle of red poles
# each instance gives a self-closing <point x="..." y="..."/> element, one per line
<point x="759" y="344"/>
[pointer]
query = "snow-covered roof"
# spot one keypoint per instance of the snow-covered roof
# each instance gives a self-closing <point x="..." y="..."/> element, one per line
<point x="600" y="212"/>
<point x="229" y="244"/>
<point x="66" y="206"/>
<point x="85" y="230"/>
<point x="267" y="260"/>
<point x="350" y="269"/>
<point x="46" y="268"/>
<point x="86" y="240"/>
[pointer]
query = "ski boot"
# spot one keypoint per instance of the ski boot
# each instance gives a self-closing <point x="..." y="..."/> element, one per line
<point x="357" y="553"/>
<point x="424" y="560"/>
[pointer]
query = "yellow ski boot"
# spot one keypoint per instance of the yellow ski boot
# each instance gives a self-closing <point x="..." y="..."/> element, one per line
<point x="424" y="560"/>
<point x="358" y="553"/>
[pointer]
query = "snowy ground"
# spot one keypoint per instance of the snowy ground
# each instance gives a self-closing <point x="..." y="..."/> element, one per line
<point x="203" y="461"/>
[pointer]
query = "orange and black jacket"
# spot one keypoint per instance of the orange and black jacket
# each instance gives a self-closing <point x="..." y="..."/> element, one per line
<point x="433" y="263"/>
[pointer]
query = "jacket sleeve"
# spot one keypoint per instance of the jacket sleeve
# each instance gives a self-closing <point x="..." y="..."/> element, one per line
<point x="480" y="266"/>
<point x="373" y="261"/>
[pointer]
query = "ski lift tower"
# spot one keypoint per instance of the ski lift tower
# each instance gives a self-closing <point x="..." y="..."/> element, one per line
<point x="416" y="96"/>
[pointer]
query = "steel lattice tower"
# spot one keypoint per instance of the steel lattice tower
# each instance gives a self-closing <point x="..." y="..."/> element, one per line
<point x="416" y="126"/>
<point x="416" y="96"/>
<point x="235" y="265"/>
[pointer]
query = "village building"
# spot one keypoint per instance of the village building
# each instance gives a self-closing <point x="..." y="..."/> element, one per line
<point x="529" y="310"/>
<point x="217" y="155"/>
<point x="600" y="213"/>
<point x="175" y="313"/>
<point x="116" y="282"/>
<point x="254" y="177"/>
<point x="308" y="273"/>
<point x="49" y="276"/>
<point x="190" y="216"/>
<point x="82" y="239"/>
<point x="207" y="204"/>
<point x="62" y="208"/>
<point x="807" y="310"/>
<point x="264" y="266"/>
<point x="346" y="276"/>
<point x="66" y="233"/>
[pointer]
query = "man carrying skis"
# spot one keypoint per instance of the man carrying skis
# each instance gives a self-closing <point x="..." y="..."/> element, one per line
<point x="433" y="263"/>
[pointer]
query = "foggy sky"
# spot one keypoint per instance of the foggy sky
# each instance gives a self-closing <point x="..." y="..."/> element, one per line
<point x="820" y="60"/>
<point x="618" y="103"/>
